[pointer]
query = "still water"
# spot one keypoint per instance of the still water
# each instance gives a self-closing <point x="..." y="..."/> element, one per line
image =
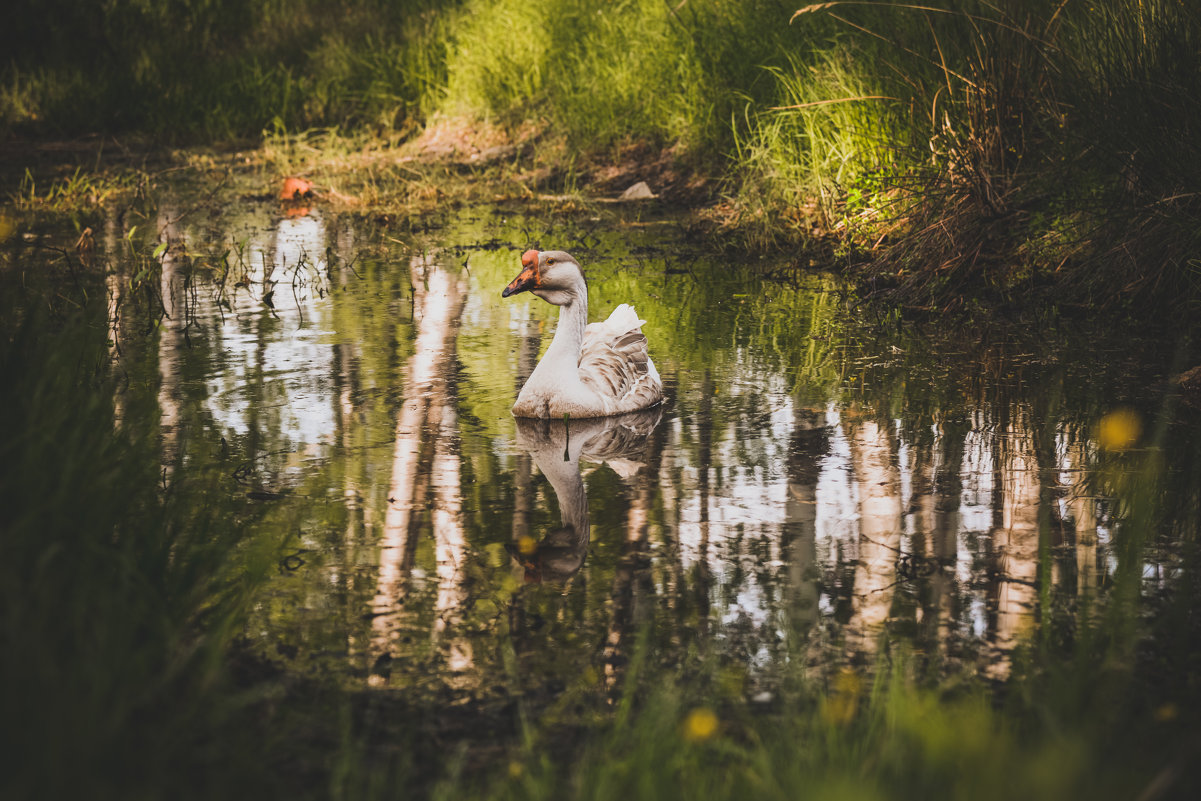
<point x="823" y="485"/>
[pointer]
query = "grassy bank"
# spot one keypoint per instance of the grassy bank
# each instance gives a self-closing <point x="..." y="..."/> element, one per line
<point x="947" y="151"/>
<point x="1007" y="149"/>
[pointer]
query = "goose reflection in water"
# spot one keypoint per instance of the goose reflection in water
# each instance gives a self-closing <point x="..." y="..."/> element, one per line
<point x="557" y="446"/>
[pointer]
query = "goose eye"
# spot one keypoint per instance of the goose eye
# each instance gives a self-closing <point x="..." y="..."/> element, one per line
<point x="549" y="262"/>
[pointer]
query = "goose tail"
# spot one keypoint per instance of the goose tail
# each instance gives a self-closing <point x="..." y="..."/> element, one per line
<point x="623" y="319"/>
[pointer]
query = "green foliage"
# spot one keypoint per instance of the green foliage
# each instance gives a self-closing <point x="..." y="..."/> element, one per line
<point x="601" y="73"/>
<point x="119" y="599"/>
<point x="822" y="144"/>
<point x="1001" y="113"/>
<point x="188" y="71"/>
<point x="971" y="148"/>
<point x="853" y="739"/>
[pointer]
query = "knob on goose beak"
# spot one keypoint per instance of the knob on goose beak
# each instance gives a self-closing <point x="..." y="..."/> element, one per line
<point x="527" y="278"/>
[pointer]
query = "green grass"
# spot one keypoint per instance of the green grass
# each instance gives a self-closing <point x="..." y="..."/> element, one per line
<point x="119" y="601"/>
<point x="957" y="150"/>
<point x="1036" y="135"/>
<point x="189" y="72"/>
<point x="601" y="74"/>
<point x="840" y="734"/>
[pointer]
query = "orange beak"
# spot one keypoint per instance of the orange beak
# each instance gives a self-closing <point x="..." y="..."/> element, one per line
<point x="527" y="278"/>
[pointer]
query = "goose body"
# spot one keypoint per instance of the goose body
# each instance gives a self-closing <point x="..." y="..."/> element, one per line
<point x="596" y="370"/>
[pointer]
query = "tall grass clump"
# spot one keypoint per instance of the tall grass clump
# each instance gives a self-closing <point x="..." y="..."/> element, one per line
<point x="601" y="74"/>
<point x="812" y="160"/>
<point x="1020" y="138"/>
<point x="119" y="600"/>
<point x="1132" y="123"/>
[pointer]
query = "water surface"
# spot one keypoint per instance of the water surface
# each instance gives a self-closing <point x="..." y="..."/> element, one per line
<point x="823" y="483"/>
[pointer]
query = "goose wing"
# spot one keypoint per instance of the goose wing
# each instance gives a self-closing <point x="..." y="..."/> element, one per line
<point x="615" y="362"/>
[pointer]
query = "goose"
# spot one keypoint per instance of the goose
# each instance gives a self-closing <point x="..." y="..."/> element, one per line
<point x="596" y="370"/>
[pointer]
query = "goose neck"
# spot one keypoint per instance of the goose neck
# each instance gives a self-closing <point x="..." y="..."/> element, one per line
<point x="569" y="336"/>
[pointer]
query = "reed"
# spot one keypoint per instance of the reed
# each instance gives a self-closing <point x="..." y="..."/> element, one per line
<point x="1025" y="138"/>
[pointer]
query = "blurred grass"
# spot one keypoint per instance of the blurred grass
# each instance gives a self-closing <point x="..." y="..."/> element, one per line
<point x="187" y="72"/>
<point x="1070" y="733"/>
<point x="120" y="598"/>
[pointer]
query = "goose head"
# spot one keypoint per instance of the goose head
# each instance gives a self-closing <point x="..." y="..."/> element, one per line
<point x="552" y="275"/>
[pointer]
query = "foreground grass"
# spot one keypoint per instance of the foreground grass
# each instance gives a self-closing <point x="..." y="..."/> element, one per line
<point x="859" y="742"/>
<point x="118" y="606"/>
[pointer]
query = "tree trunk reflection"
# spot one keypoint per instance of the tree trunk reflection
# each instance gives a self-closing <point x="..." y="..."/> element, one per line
<point x="170" y="343"/>
<point x="807" y="448"/>
<point x="438" y="298"/>
<point x="873" y="454"/>
<point x="1016" y="539"/>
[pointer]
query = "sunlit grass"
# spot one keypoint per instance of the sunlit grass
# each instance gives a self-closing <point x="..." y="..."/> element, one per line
<point x="1008" y="148"/>
<point x="984" y="148"/>
<point x="811" y="159"/>
<point x="81" y="189"/>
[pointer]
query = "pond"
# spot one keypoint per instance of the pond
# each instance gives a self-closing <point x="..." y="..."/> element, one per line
<point x="823" y="487"/>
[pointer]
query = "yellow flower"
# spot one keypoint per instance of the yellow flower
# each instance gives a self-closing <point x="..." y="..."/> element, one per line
<point x="700" y="725"/>
<point x="1119" y="429"/>
<point x="1167" y="712"/>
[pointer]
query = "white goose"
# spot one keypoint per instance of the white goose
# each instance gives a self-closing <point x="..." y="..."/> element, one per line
<point x="595" y="370"/>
